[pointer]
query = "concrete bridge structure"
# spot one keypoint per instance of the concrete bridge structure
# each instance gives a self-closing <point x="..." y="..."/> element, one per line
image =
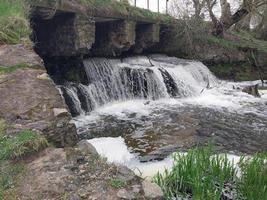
<point x="68" y="28"/>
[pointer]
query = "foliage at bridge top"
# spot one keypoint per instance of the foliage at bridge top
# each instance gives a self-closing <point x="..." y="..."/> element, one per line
<point x="110" y="8"/>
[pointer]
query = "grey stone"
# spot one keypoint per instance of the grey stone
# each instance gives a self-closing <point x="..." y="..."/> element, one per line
<point x="136" y="188"/>
<point x="125" y="174"/>
<point x="60" y="111"/>
<point x="87" y="148"/>
<point x="124" y="194"/>
<point x="74" y="197"/>
<point x="152" y="191"/>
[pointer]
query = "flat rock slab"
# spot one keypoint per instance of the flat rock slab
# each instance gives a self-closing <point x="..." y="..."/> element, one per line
<point x="29" y="99"/>
<point x="12" y="55"/>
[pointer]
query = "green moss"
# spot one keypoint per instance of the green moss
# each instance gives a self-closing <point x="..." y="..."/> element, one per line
<point x="11" y="69"/>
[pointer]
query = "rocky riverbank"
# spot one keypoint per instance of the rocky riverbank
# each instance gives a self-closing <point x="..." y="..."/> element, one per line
<point x="30" y="101"/>
<point x="29" y="98"/>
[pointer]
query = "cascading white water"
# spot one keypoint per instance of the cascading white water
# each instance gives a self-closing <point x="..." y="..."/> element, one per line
<point x="193" y="106"/>
<point x="151" y="78"/>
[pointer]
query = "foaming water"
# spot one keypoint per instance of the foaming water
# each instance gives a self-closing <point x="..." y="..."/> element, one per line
<point x="116" y="151"/>
<point x="157" y="105"/>
<point x="151" y="78"/>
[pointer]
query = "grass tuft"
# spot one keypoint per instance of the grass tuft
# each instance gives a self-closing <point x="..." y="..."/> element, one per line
<point x="197" y="174"/>
<point x="13" y="148"/>
<point x="14" y="26"/>
<point x="253" y="183"/>
<point x="200" y="174"/>
<point x="116" y="183"/>
<point x="23" y="144"/>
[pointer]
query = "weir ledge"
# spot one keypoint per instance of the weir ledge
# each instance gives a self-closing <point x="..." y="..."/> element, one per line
<point x="70" y="29"/>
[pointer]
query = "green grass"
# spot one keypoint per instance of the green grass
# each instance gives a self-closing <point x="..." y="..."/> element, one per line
<point x="127" y="10"/>
<point x="11" y="69"/>
<point x="116" y="183"/>
<point x="243" y="39"/>
<point x="197" y="173"/>
<point x="201" y="174"/>
<point x="253" y="183"/>
<point x="14" y="26"/>
<point x="21" y="145"/>
<point x="13" y="148"/>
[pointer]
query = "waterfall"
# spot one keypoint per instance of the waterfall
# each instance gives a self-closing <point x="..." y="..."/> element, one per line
<point x="141" y="77"/>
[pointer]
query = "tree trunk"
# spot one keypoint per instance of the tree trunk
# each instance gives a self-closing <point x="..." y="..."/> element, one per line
<point x="226" y="13"/>
<point x="217" y="26"/>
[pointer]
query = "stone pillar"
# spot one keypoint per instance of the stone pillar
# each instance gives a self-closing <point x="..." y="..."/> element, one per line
<point x="122" y="34"/>
<point x="114" y="37"/>
<point x="147" y="35"/>
<point x="84" y="34"/>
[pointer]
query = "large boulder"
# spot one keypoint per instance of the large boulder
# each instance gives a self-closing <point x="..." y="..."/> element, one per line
<point x="30" y="100"/>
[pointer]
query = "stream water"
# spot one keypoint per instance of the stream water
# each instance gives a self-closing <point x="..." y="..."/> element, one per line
<point x="137" y="111"/>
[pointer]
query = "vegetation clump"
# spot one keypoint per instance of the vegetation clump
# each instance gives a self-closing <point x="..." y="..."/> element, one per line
<point x="12" y="148"/>
<point x="14" y="26"/>
<point x="201" y="174"/>
<point x="116" y="183"/>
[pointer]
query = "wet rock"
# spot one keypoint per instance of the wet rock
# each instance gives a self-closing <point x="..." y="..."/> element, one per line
<point x="152" y="191"/>
<point x="160" y="153"/>
<point x="124" y="194"/>
<point x="87" y="148"/>
<point x="252" y="90"/>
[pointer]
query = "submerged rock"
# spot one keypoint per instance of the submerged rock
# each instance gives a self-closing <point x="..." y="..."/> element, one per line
<point x="252" y="90"/>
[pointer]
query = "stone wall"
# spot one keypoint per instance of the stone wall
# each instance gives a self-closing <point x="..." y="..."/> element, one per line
<point x="64" y="35"/>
